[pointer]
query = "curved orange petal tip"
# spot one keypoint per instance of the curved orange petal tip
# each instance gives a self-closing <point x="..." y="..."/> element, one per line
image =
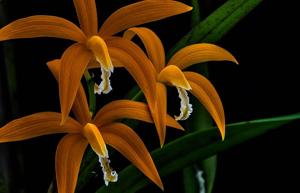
<point x="199" y="53"/>
<point x="205" y="92"/>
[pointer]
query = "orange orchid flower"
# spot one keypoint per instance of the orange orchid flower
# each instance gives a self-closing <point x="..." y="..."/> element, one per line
<point x="171" y="74"/>
<point x="91" y="43"/>
<point x="103" y="129"/>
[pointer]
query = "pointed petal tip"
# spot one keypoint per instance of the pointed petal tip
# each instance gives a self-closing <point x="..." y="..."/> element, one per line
<point x="231" y="58"/>
<point x="222" y="132"/>
<point x="185" y="7"/>
<point x="236" y="62"/>
<point x="161" y="146"/>
<point x="189" y="8"/>
<point x="223" y="137"/>
<point x="181" y="128"/>
<point x="161" y="141"/>
<point x="221" y="127"/>
<point x="158" y="182"/>
<point x="161" y="186"/>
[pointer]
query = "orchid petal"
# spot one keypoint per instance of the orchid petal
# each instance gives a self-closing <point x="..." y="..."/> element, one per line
<point x="87" y="15"/>
<point x="126" y="141"/>
<point x="174" y="76"/>
<point x="81" y="12"/>
<point x="73" y="64"/>
<point x="160" y="112"/>
<point x="54" y="67"/>
<point x="199" y="53"/>
<point x="140" y="13"/>
<point x="35" y="125"/>
<point x="80" y="107"/>
<point x="92" y="15"/>
<point x="152" y="43"/>
<point x="129" y="55"/>
<point x="42" y="26"/>
<point x="121" y="109"/>
<point x="69" y="154"/>
<point x="208" y="96"/>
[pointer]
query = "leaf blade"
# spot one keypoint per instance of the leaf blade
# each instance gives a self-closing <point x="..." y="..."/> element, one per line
<point x="196" y="146"/>
<point x="213" y="21"/>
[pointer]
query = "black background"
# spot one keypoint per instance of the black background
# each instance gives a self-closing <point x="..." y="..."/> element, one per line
<point x="265" y="84"/>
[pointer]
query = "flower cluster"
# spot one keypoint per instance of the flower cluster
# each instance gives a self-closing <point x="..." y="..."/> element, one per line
<point x="103" y="49"/>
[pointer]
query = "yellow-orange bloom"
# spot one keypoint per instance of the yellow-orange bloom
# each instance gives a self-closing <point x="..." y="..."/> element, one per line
<point x="171" y="74"/>
<point x="101" y="130"/>
<point x="91" y="43"/>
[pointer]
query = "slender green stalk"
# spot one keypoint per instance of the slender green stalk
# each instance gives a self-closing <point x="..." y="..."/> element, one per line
<point x="196" y="14"/>
<point x="92" y="96"/>
<point x="135" y="94"/>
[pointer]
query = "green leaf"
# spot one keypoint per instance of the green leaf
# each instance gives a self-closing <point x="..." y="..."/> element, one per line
<point x="196" y="15"/>
<point x="193" y="147"/>
<point x="216" y="34"/>
<point x="92" y="96"/>
<point x="217" y="24"/>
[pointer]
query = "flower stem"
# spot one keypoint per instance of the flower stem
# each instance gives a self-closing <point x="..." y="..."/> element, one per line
<point x="92" y="97"/>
